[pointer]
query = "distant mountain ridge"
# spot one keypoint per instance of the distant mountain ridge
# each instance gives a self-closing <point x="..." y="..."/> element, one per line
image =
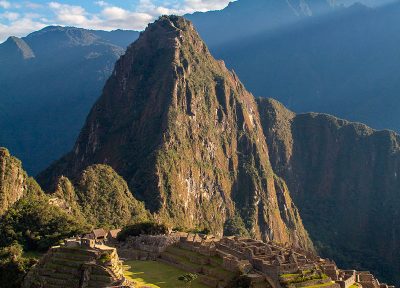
<point x="48" y="81"/>
<point x="247" y="18"/>
<point x="344" y="63"/>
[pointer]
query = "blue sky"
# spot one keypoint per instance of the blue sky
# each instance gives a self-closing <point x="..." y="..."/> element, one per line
<point x="20" y="17"/>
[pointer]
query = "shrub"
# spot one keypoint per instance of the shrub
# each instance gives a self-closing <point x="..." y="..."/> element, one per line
<point x="188" y="278"/>
<point x="235" y="227"/>
<point x="105" y="258"/>
<point x="13" y="266"/>
<point x="145" y="228"/>
<point x="36" y="225"/>
<point x="204" y="231"/>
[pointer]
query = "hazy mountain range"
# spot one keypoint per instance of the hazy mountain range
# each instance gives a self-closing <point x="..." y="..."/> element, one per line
<point x="345" y="64"/>
<point x="249" y="18"/>
<point x="48" y="82"/>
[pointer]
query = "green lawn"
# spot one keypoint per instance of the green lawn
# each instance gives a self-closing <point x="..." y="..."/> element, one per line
<point x="156" y="275"/>
<point x="320" y="285"/>
<point x="289" y="275"/>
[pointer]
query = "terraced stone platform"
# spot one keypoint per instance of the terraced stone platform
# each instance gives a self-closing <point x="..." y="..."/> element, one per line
<point x="77" y="265"/>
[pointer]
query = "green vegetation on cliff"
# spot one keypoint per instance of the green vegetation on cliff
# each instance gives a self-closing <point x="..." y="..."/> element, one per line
<point x="105" y="199"/>
<point x="235" y="227"/>
<point x="344" y="177"/>
<point x="101" y="197"/>
<point x="37" y="225"/>
<point x="13" y="266"/>
<point x="12" y="180"/>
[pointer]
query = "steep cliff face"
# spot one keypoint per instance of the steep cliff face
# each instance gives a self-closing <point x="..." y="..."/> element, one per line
<point x="344" y="177"/>
<point x="186" y="136"/>
<point x="13" y="180"/>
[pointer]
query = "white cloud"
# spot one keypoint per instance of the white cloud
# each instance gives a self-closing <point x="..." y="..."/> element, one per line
<point x="181" y="7"/>
<point x="19" y="27"/>
<point x="5" y="4"/>
<point x="31" y="5"/>
<point x="10" y="16"/>
<point x="101" y="3"/>
<point x="110" y="16"/>
<point x="69" y="14"/>
<point x="204" y="5"/>
<point x="113" y="13"/>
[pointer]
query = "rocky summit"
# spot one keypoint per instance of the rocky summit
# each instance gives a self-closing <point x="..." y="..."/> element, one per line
<point x="344" y="178"/>
<point x="186" y="136"/>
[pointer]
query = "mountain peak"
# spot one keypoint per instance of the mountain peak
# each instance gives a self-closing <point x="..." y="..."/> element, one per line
<point x="186" y="136"/>
<point x="170" y="30"/>
<point x="20" y="47"/>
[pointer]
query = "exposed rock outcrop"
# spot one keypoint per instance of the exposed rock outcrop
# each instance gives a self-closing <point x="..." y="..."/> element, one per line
<point x="344" y="177"/>
<point x="185" y="134"/>
<point x="13" y="180"/>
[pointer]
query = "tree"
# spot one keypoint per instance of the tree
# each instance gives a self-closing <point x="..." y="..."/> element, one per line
<point x="145" y="228"/>
<point x="235" y="227"/>
<point x="188" y="278"/>
<point x="13" y="266"/>
<point x="36" y="225"/>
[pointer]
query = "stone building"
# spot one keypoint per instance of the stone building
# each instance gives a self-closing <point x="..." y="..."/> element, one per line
<point x="112" y="235"/>
<point x="97" y="234"/>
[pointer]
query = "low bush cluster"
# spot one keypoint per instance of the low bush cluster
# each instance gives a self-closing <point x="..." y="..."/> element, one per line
<point x="145" y="228"/>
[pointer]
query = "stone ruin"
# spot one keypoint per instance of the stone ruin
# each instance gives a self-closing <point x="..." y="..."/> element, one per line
<point x="84" y="262"/>
<point x="346" y="278"/>
<point x="146" y="247"/>
<point x="259" y="259"/>
<point x="151" y="243"/>
<point x="78" y="263"/>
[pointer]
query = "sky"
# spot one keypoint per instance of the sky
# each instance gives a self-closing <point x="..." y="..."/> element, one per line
<point x="20" y="17"/>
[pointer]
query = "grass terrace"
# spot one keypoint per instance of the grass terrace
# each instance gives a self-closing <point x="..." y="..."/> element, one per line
<point x="319" y="285"/>
<point x="309" y="279"/>
<point x="156" y="275"/>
